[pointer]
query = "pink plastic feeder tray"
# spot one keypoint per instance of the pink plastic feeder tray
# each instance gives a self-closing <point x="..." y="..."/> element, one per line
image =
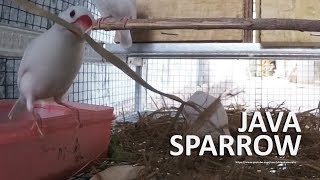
<point x="64" y="149"/>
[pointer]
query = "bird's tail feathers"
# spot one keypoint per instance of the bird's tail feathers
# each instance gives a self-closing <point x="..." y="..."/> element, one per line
<point x="18" y="107"/>
<point x="125" y="38"/>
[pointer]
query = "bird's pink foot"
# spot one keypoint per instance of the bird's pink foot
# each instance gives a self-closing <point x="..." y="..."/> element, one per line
<point x="37" y="118"/>
<point x="101" y="20"/>
<point x="75" y="110"/>
<point x="124" y="20"/>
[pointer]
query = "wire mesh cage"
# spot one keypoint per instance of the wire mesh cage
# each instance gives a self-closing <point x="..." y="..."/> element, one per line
<point x="256" y="82"/>
<point x="243" y="80"/>
<point x="259" y="82"/>
<point x="97" y="83"/>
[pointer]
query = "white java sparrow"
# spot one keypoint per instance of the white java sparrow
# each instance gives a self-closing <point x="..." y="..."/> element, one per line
<point x="121" y="10"/>
<point x="51" y="62"/>
<point x="216" y="125"/>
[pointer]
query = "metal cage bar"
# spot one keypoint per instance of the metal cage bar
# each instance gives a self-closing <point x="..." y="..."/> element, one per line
<point x="213" y="50"/>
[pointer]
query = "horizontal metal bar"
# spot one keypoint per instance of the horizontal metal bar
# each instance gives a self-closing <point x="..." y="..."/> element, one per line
<point x="213" y="51"/>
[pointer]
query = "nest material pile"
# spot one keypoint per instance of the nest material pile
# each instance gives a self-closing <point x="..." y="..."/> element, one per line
<point x="147" y="143"/>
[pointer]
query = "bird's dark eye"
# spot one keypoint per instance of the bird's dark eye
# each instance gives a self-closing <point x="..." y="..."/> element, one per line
<point x="72" y="13"/>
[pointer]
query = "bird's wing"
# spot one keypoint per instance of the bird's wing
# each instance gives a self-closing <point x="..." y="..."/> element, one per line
<point x="24" y="63"/>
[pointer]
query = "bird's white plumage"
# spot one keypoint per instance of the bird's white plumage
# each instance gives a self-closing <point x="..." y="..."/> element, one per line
<point x="50" y="63"/>
<point x="217" y="123"/>
<point x="118" y="9"/>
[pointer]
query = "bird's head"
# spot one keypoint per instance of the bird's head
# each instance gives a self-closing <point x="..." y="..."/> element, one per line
<point x="79" y="16"/>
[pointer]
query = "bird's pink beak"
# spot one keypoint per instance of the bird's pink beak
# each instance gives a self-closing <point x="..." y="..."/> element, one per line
<point x="84" y="22"/>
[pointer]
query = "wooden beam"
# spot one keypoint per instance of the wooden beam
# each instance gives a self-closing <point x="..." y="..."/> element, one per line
<point x="211" y="23"/>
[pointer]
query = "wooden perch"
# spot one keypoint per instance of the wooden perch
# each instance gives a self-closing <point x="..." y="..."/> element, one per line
<point x="211" y="23"/>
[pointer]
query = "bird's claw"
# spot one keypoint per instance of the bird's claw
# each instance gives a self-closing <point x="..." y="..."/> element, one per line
<point x="124" y="20"/>
<point x="101" y="20"/>
<point x="76" y="111"/>
<point x="36" y="118"/>
<point x="79" y="125"/>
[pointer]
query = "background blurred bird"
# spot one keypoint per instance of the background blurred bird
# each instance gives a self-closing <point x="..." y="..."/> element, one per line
<point x="51" y="62"/>
<point x="216" y="124"/>
<point x="121" y="10"/>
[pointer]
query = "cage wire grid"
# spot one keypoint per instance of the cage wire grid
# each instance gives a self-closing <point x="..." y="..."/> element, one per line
<point x="258" y="81"/>
<point x="254" y="82"/>
<point x="97" y="83"/>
